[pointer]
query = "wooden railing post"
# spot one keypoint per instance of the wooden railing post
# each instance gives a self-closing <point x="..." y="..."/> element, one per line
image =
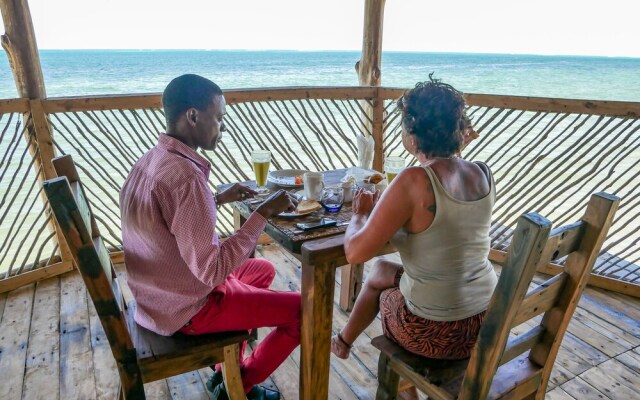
<point x="377" y="130"/>
<point x="370" y="72"/>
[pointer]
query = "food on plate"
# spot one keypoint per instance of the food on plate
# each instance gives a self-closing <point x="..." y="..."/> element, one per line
<point x="307" y="206"/>
<point x="349" y="179"/>
<point x="375" y="178"/>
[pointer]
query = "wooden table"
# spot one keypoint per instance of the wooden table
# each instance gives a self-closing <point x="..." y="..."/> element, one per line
<point x="321" y="251"/>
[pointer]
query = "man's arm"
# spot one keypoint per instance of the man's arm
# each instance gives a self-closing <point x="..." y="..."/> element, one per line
<point x="190" y="214"/>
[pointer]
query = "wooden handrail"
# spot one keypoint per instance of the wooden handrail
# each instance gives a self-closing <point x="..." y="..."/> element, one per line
<point x="14" y="106"/>
<point x="547" y="104"/>
<point x="233" y="96"/>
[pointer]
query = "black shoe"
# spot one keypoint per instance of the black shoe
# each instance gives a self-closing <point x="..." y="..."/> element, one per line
<point x="262" y="393"/>
<point x="256" y="393"/>
<point x="214" y="381"/>
<point x="219" y="392"/>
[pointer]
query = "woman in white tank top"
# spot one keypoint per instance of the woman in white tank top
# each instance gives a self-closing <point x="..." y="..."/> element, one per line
<point x="438" y="216"/>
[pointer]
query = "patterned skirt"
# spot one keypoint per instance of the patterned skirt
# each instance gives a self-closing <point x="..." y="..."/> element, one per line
<point x="446" y="340"/>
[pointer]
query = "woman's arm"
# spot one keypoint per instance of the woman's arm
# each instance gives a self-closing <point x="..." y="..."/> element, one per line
<point x="375" y="222"/>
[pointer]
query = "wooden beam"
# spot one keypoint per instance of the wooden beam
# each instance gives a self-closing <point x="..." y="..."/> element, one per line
<point x="232" y="96"/>
<point x="26" y="278"/>
<point x="369" y="67"/>
<point x="19" y="41"/>
<point x="602" y="282"/>
<point x="14" y="106"/>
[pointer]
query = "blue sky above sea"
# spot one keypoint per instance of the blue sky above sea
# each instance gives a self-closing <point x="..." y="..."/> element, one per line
<point x="93" y="72"/>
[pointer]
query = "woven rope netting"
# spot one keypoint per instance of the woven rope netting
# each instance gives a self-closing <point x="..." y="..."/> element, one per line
<point x="26" y="239"/>
<point x="550" y="163"/>
<point x="301" y="134"/>
<point x="547" y="162"/>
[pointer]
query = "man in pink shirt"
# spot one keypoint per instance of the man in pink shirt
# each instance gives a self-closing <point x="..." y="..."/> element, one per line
<point x="182" y="277"/>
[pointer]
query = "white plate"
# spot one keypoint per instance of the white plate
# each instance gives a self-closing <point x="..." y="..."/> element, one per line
<point x="295" y="214"/>
<point x="286" y="177"/>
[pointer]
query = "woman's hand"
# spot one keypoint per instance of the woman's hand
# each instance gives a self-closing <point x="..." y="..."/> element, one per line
<point x="364" y="201"/>
<point x="237" y="192"/>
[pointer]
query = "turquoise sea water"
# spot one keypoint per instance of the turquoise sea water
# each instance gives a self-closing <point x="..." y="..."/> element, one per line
<point x="82" y="72"/>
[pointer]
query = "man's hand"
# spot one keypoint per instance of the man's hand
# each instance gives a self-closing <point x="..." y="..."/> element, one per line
<point x="276" y="203"/>
<point x="364" y="201"/>
<point x="237" y="192"/>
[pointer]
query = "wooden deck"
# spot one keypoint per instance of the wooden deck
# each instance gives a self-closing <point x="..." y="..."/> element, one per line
<point x="52" y="347"/>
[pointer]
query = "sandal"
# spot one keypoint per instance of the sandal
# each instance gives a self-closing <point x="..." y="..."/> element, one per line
<point x="340" y="347"/>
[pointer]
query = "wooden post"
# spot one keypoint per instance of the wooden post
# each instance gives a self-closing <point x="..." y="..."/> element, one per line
<point x="19" y="42"/>
<point x="370" y="72"/>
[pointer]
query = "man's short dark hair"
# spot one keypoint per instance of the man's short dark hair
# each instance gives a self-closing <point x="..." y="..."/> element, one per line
<point x="185" y="92"/>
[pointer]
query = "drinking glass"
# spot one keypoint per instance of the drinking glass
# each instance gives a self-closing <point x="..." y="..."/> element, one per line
<point x="261" y="160"/>
<point x="392" y="167"/>
<point x="332" y="199"/>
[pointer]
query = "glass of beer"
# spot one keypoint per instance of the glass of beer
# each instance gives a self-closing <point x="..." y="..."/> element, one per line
<point x="261" y="160"/>
<point x="392" y="167"/>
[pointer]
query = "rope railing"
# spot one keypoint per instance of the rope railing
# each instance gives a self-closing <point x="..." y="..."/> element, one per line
<point x="547" y="156"/>
<point x="25" y="239"/>
<point x="550" y="163"/>
<point x="302" y="133"/>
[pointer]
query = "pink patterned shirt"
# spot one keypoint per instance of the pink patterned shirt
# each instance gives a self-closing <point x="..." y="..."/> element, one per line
<point x="173" y="255"/>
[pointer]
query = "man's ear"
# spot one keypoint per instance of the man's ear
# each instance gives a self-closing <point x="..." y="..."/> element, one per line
<point x="192" y="116"/>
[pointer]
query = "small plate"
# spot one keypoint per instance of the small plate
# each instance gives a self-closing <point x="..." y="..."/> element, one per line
<point x="295" y="214"/>
<point x="286" y="177"/>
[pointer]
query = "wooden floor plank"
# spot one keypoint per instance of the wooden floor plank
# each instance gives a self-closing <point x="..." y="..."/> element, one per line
<point x="581" y="390"/>
<point x="614" y="380"/>
<point x="558" y="394"/>
<point x="42" y="374"/>
<point x="14" y="338"/>
<point x="105" y="369"/>
<point x="604" y="341"/>
<point x="606" y="327"/>
<point x="187" y="386"/>
<point x="598" y="304"/>
<point x="631" y="360"/>
<point x="77" y="380"/>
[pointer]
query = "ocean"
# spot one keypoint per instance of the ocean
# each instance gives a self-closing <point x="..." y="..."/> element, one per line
<point x="92" y="72"/>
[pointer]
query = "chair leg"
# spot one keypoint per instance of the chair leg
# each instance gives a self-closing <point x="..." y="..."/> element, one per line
<point x="231" y="373"/>
<point x="388" y="379"/>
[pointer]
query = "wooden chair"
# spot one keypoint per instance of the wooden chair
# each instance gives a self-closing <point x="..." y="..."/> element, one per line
<point x="141" y="355"/>
<point x="519" y="367"/>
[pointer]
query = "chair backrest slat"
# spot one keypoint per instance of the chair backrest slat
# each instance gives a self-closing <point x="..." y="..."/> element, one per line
<point x="564" y="240"/>
<point x="73" y="213"/>
<point x="540" y="299"/>
<point x="521" y="343"/>
<point x="529" y="240"/>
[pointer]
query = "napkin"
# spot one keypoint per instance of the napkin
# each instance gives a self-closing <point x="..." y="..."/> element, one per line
<point x="365" y="151"/>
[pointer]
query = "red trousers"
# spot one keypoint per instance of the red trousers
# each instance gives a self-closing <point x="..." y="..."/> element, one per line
<point x="244" y="302"/>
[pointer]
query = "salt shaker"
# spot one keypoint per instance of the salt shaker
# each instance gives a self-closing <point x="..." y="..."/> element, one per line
<point x="348" y="191"/>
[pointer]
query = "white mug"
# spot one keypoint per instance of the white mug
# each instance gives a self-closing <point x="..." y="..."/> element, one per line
<point x="313" y="185"/>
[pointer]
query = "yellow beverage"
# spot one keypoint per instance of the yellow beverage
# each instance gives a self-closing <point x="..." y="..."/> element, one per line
<point x="390" y="176"/>
<point x="261" y="169"/>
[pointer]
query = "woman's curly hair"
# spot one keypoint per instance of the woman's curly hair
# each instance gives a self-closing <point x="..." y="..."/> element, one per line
<point x="434" y="112"/>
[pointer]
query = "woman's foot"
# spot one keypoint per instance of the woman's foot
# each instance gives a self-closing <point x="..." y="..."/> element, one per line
<point x="340" y="347"/>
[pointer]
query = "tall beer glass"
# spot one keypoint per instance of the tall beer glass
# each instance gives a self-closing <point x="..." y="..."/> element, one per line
<point x="261" y="160"/>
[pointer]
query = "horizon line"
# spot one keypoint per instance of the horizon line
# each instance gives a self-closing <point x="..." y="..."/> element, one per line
<point x="345" y="51"/>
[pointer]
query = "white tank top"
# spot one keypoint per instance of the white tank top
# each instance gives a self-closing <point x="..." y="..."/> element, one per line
<point x="448" y="276"/>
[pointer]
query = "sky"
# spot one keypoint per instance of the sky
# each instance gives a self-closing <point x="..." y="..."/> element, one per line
<point x="553" y="27"/>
